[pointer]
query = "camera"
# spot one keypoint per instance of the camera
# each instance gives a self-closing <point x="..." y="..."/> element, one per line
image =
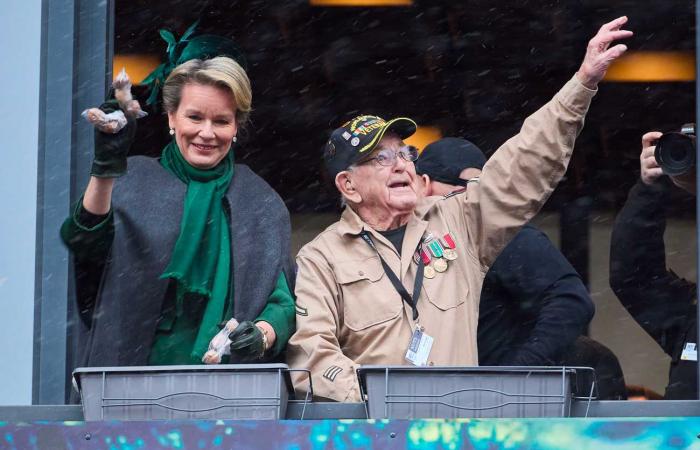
<point x="675" y="151"/>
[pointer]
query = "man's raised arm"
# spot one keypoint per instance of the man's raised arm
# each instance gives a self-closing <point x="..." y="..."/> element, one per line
<point x="524" y="171"/>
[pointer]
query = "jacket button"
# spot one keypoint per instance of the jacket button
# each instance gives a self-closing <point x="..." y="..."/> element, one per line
<point x="361" y="273"/>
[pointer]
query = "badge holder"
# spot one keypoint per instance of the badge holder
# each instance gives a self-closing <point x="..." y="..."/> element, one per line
<point x="690" y="352"/>
<point x="419" y="347"/>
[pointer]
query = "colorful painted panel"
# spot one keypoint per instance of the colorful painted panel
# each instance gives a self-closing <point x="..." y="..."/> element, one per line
<point x="494" y="434"/>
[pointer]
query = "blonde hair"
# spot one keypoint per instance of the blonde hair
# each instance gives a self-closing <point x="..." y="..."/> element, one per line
<point x="222" y="72"/>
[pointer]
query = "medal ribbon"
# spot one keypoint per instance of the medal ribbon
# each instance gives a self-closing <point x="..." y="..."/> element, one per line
<point x="412" y="301"/>
<point x="449" y="241"/>
<point x="435" y="249"/>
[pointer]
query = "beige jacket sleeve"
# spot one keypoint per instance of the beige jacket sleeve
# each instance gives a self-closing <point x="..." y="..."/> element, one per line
<point x="519" y="178"/>
<point x="315" y="344"/>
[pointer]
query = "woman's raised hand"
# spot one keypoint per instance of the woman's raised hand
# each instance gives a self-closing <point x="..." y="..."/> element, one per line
<point x="111" y="149"/>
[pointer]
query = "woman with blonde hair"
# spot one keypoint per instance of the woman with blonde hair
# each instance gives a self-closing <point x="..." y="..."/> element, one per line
<point x="186" y="241"/>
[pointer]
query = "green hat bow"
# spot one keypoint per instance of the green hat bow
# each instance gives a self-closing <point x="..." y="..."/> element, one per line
<point x="205" y="46"/>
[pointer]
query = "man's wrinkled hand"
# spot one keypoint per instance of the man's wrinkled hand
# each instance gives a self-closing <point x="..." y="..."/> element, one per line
<point x="599" y="54"/>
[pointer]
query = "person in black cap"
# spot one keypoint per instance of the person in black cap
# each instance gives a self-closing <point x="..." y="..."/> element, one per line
<point x="449" y="164"/>
<point x="534" y="305"/>
<point x="397" y="279"/>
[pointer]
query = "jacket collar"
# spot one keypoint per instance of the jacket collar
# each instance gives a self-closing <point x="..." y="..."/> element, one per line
<point x="352" y="224"/>
<point x="425" y="205"/>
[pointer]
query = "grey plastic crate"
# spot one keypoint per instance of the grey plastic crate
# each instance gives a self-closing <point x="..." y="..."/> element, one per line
<point x="224" y="391"/>
<point x="405" y="392"/>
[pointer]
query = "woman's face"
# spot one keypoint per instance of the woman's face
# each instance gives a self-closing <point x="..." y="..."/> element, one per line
<point x="204" y="124"/>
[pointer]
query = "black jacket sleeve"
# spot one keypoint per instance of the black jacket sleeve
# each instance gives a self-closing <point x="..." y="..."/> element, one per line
<point x="543" y="286"/>
<point x="658" y="299"/>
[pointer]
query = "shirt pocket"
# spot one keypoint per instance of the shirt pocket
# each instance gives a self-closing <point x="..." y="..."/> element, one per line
<point x="368" y="298"/>
<point x="444" y="298"/>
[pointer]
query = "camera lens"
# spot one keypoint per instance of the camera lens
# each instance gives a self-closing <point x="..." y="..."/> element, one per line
<point x="675" y="153"/>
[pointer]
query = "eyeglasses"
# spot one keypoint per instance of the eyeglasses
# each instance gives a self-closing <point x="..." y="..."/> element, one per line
<point x="387" y="157"/>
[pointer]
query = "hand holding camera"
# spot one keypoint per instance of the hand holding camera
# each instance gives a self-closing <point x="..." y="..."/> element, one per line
<point x="671" y="154"/>
<point x="650" y="169"/>
<point x="675" y="151"/>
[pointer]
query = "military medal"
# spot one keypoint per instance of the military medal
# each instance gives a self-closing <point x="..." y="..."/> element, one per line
<point x="440" y="265"/>
<point x="425" y="256"/>
<point x="435" y="249"/>
<point x="450" y="254"/>
<point x="448" y="241"/>
<point x="449" y="247"/>
<point x="425" y="253"/>
<point x="428" y="271"/>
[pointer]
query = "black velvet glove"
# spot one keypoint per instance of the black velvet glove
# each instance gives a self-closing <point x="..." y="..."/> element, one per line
<point x="111" y="149"/>
<point x="247" y="344"/>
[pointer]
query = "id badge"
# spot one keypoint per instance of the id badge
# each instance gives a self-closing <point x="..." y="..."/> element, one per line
<point x="690" y="352"/>
<point x="419" y="348"/>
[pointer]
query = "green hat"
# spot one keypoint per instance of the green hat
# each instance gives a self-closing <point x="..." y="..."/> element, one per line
<point x="205" y="46"/>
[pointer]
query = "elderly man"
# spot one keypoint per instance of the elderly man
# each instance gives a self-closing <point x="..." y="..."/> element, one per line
<point x="529" y="314"/>
<point x="397" y="281"/>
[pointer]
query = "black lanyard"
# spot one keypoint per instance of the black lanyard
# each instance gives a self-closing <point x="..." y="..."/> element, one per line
<point x="411" y="301"/>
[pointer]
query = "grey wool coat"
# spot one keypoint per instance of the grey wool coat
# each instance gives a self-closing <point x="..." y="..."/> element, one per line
<point x="147" y="204"/>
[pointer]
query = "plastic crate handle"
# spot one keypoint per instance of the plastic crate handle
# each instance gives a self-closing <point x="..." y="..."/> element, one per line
<point x="309" y="393"/>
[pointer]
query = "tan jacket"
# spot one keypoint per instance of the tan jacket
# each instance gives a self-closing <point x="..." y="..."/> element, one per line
<point x="348" y="312"/>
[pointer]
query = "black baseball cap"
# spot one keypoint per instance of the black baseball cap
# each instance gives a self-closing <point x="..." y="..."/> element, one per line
<point x="356" y="139"/>
<point x="445" y="159"/>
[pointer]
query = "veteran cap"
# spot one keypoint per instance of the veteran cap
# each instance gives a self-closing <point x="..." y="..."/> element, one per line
<point x="444" y="160"/>
<point x="356" y="139"/>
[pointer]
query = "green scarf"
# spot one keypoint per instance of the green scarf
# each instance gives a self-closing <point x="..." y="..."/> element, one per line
<point x="201" y="258"/>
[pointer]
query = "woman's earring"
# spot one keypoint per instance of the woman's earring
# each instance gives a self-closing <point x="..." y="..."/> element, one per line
<point x="235" y="139"/>
<point x="172" y="132"/>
